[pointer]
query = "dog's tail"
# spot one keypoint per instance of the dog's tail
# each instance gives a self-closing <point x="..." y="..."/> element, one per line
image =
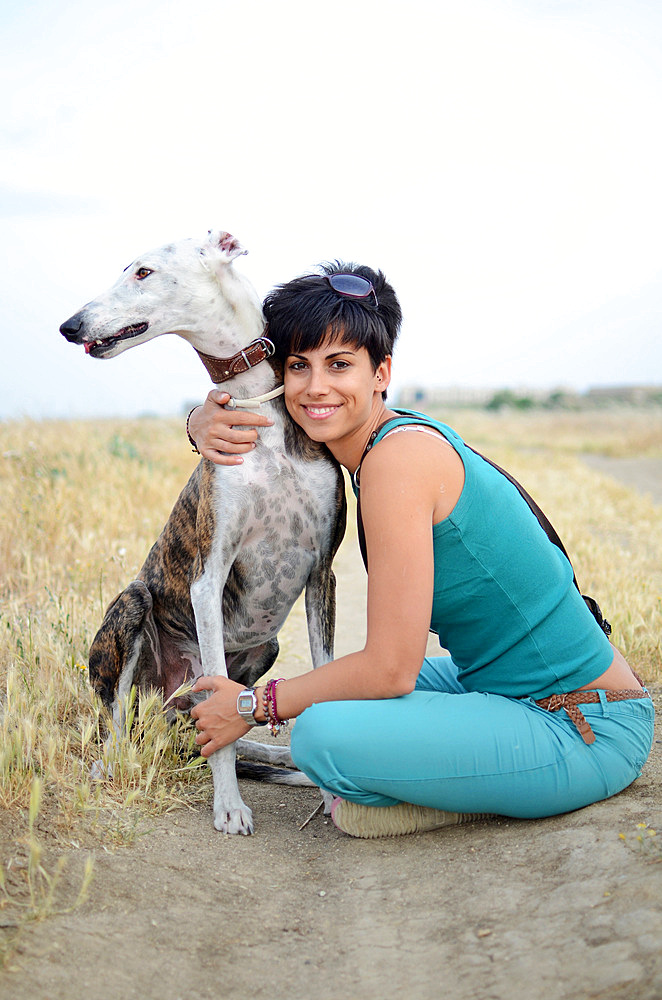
<point x="273" y="775"/>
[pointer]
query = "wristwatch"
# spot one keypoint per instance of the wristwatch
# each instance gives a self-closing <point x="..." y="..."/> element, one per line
<point x="246" y="705"/>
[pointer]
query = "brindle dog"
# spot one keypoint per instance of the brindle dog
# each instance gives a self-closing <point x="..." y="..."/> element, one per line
<point x="241" y="543"/>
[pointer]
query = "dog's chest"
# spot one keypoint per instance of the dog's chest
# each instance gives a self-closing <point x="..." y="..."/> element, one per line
<point x="277" y="500"/>
<point x="274" y="520"/>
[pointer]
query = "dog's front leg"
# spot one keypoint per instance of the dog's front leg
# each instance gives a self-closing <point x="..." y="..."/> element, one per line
<point x="231" y="814"/>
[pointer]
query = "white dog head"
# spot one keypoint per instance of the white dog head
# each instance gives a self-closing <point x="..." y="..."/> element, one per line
<point x="188" y="288"/>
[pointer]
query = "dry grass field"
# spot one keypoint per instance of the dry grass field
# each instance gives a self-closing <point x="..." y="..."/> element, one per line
<point x="81" y="504"/>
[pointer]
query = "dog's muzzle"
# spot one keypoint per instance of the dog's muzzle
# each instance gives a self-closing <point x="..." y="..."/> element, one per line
<point x="74" y="331"/>
<point x="71" y="329"/>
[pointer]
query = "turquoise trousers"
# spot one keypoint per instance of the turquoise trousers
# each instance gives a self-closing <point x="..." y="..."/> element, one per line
<point x="448" y="748"/>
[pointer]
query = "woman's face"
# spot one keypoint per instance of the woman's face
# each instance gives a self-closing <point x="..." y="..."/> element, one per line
<point x="331" y="391"/>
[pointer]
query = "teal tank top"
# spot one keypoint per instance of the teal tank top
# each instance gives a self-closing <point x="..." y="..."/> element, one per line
<point x="505" y="605"/>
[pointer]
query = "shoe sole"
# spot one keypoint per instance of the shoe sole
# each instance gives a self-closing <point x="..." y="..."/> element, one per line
<point x="370" y="822"/>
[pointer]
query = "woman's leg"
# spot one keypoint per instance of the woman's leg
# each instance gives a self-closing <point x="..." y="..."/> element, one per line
<point x="467" y="752"/>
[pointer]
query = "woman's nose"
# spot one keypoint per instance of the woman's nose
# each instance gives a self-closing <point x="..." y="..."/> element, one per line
<point x="318" y="383"/>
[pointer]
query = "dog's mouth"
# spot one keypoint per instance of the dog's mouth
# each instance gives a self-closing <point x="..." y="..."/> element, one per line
<point x="98" y="348"/>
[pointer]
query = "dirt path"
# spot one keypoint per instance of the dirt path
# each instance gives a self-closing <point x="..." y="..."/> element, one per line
<point x="641" y="474"/>
<point x="508" y="910"/>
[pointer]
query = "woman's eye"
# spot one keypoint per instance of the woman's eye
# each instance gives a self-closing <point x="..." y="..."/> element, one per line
<point x="143" y="272"/>
<point x="296" y="366"/>
<point x="339" y="365"/>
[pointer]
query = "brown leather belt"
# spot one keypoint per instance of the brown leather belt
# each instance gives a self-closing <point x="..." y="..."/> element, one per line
<point x="569" y="702"/>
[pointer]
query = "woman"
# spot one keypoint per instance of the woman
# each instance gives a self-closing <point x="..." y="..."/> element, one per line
<point x="406" y="742"/>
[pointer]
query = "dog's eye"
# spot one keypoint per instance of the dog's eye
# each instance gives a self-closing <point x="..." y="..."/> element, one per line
<point x="143" y="272"/>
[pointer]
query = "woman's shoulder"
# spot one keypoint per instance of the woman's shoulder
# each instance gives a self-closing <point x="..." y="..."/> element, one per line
<point x="418" y="463"/>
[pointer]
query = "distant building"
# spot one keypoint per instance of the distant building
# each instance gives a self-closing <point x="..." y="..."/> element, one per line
<point x="428" y="398"/>
<point x="635" y="395"/>
<point x="411" y="397"/>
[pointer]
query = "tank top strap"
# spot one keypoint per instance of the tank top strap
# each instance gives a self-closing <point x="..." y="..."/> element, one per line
<point x="404" y="418"/>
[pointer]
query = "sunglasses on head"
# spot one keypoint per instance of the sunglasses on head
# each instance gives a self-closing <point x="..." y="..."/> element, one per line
<point x="353" y="286"/>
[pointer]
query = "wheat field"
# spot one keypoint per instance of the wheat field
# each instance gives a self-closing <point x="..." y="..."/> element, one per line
<point x="83" y="501"/>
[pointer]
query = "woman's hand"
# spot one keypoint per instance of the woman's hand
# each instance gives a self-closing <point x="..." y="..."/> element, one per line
<point x="224" y="435"/>
<point x="216" y="719"/>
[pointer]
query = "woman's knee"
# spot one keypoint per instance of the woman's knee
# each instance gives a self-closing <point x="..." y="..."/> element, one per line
<point x="317" y="745"/>
<point x="331" y="746"/>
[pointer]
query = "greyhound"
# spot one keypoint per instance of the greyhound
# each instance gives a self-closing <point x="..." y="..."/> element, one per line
<point x="241" y="543"/>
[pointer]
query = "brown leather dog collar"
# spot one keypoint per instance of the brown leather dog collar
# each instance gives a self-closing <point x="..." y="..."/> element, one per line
<point x="222" y="369"/>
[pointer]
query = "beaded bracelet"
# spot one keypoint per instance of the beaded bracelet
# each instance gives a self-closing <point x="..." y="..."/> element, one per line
<point x="188" y="433"/>
<point x="273" y="721"/>
<point x="270" y="710"/>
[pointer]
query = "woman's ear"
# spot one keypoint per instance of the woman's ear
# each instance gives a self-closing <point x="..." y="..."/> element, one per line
<point x="383" y="374"/>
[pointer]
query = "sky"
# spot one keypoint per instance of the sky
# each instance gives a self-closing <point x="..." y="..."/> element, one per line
<point x="499" y="160"/>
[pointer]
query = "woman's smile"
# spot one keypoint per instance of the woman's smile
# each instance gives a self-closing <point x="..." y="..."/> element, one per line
<point x="319" y="412"/>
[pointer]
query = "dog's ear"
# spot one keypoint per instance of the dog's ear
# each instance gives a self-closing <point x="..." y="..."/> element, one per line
<point x="229" y="246"/>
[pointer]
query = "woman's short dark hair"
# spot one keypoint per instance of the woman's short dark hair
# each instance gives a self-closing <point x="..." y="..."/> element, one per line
<point x="303" y="312"/>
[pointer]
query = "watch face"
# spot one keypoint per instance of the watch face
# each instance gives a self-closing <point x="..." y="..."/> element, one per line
<point x="245" y="703"/>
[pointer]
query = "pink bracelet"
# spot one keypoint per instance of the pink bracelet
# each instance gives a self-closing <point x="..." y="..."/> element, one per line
<point x="274" y="723"/>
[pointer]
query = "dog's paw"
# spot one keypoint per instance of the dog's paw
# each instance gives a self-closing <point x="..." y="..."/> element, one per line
<point x="234" y="820"/>
<point x="327" y="799"/>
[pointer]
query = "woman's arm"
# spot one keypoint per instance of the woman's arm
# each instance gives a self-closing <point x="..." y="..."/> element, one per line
<point x="400" y="484"/>
<point x="224" y="435"/>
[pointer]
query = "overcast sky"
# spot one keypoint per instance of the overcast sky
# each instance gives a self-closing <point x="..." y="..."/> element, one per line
<point x="500" y="160"/>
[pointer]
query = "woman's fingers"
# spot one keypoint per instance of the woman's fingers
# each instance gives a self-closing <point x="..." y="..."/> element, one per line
<point x="224" y="436"/>
<point x="242" y="419"/>
<point x="234" y="436"/>
<point x="207" y="682"/>
<point x="219" y="396"/>
<point x="221" y="458"/>
<point x="236" y="418"/>
<point x="209" y="748"/>
<point x="227" y="452"/>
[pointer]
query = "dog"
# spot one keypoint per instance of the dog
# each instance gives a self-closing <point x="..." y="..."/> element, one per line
<point x="241" y="543"/>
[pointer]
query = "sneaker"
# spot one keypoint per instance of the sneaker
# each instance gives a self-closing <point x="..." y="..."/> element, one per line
<point x="393" y="821"/>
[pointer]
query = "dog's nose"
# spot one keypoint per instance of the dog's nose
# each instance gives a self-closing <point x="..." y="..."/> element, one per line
<point x="71" y="328"/>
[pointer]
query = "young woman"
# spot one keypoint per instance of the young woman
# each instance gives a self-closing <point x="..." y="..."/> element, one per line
<point x="407" y="742"/>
